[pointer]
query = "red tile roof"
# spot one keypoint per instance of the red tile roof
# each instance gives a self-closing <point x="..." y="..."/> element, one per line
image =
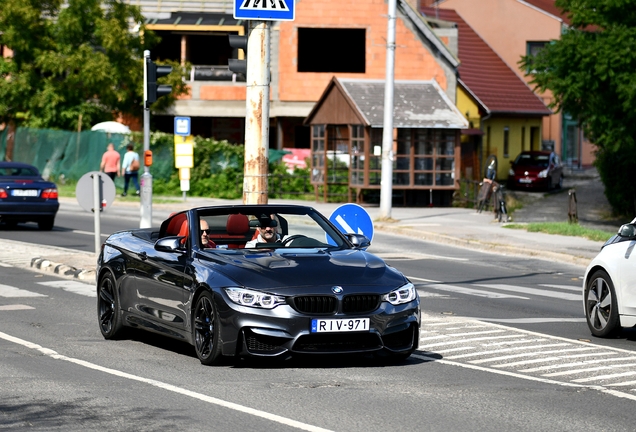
<point x="486" y="75"/>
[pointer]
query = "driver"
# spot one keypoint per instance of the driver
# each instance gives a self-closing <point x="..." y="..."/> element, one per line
<point x="205" y="240"/>
<point x="266" y="232"/>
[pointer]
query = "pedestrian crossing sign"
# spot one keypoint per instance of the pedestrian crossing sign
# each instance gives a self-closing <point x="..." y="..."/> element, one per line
<point x="266" y="10"/>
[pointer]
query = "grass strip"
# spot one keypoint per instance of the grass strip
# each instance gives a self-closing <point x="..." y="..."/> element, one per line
<point x="564" y="228"/>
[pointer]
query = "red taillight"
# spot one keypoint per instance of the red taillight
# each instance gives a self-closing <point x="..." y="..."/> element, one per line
<point x="3" y="193"/>
<point x="49" y="193"/>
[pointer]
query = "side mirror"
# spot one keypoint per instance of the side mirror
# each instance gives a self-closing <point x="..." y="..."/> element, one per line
<point x="627" y="231"/>
<point x="359" y="241"/>
<point x="169" y="244"/>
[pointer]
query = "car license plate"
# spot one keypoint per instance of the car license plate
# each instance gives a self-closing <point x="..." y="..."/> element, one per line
<point x="525" y="180"/>
<point x="339" y="325"/>
<point x="24" y="192"/>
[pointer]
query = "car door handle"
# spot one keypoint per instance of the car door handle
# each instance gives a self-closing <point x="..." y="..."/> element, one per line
<point x="143" y="256"/>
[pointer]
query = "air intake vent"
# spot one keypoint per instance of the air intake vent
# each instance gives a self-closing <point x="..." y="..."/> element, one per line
<point x="360" y="303"/>
<point x="315" y="304"/>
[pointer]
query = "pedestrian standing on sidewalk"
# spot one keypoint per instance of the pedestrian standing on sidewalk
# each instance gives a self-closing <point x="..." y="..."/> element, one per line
<point x="130" y="167"/>
<point x="110" y="162"/>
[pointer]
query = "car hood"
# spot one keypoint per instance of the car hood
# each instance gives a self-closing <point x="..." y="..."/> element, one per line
<point x="284" y="270"/>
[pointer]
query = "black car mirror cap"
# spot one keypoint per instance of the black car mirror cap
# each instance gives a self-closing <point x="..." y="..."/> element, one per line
<point x="359" y="241"/>
<point x="169" y="244"/>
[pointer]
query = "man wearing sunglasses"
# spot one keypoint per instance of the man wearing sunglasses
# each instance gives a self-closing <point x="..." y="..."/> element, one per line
<point x="205" y="240"/>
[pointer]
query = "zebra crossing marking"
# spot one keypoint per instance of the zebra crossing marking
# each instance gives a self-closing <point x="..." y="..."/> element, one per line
<point x="608" y="370"/>
<point x="264" y="5"/>
<point x="73" y="287"/>
<point x="13" y="292"/>
<point x="518" y="290"/>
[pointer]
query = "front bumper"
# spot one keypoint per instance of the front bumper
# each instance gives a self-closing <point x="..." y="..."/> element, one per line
<point x="269" y="333"/>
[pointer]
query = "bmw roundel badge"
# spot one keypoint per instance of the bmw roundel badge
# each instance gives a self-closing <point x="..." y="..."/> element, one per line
<point x="337" y="289"/>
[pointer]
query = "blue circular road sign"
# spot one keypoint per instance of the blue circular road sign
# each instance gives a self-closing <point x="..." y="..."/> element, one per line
<point x="352" y="218"/>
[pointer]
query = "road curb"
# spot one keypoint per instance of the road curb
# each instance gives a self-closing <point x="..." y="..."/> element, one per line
<point x="45" y="265"/>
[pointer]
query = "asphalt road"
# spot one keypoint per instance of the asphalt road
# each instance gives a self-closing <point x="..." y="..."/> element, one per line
<point x="58" y="373"/>
<point x="527" y="363"/>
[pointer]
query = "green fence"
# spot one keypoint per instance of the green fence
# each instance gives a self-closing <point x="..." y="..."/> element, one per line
<point x="64" y="155"/>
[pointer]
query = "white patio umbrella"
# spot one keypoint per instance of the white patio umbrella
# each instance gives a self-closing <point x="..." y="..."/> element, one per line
<point x="111" y="127"/>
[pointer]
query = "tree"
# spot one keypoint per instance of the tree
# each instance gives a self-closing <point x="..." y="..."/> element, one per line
<point x="82" y="61"/>
<point x="591" y="71"/>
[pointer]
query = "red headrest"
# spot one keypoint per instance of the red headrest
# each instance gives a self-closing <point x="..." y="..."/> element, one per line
<point x="183" y="232"/>
<point x="175" y="224"/>
<point x="237" y="224"/>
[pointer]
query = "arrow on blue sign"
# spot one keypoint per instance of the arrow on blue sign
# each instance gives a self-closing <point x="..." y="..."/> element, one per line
<point x="351" y="218"/>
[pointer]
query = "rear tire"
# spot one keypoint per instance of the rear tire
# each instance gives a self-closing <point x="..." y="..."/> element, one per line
<point x="601" y="308"/>
<point x="46" y="224"/>
<point x="206" y="330"/>
<point x="108" y="308"/>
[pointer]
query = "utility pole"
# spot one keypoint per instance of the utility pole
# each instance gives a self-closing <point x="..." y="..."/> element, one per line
<point x="386" y="179"/>
<point x="257" y="114"/>
<point x="256" y="70"/>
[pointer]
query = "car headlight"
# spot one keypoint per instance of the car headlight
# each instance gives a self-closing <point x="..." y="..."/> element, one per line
<point x="511" y="172"/>
<point x="404" y="294"/>
<point x="543" y="174"/>
<point x="257" y="299"/>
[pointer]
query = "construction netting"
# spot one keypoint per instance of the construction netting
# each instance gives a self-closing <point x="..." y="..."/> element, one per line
<point x="66" y="156"/>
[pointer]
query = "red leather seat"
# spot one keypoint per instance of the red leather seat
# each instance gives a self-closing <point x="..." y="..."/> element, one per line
<point x="237" y="227"/>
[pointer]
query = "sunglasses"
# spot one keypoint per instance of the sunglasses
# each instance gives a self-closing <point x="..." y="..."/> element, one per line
<point x="207" y="231"/>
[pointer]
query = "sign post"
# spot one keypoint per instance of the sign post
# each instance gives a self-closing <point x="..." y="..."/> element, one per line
<point x="95" y="192"/>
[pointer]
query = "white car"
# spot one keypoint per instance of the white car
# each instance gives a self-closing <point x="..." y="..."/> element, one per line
<point x="609" y="286"/>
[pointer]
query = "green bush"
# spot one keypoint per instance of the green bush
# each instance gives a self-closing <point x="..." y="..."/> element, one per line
<point x="617" y="168"/>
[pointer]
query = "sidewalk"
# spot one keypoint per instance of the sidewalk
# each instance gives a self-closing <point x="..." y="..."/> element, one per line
<point x="446" y="225"/>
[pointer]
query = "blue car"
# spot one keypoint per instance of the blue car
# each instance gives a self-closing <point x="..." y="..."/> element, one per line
<point x="26" y="197"/>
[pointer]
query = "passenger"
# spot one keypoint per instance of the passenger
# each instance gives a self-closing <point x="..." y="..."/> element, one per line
<point x="205" y="240"/>
<point x="266" y="232"/>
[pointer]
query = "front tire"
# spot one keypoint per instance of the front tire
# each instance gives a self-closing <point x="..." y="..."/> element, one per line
<point x="206" y="330"/>
<point x="601" y="307"/>
<point x="108" y="310"/>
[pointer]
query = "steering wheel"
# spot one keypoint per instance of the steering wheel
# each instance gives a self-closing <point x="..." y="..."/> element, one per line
<point x="287" y="242"/>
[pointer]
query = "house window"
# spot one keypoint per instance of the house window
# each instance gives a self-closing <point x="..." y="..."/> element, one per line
<point x="375" y="157"/>
<point x="523" y="138"/>
<point x="506" y="142"/>
<point x="533" y="48"/>
<point x="318" y="154"/>
<point x="357" y="155"/>
<point x="331" y="50"/>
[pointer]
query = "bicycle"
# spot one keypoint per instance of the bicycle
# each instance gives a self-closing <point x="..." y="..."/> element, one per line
<point x="499" y="204"/>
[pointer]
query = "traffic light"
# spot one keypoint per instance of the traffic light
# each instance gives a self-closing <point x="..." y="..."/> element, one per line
<point x="239" y="42"/>
<point x="154" y="91"/>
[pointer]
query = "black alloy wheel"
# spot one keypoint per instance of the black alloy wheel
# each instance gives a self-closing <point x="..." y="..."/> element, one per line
<point x="601" y="309"/>
<point x="110" y="321"/>
<point x="206" y="331"/>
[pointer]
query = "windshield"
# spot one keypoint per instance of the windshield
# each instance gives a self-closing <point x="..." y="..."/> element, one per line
<point x="266" y="227"/>
<point x="17" y="172"/>
<point x="532" y="160"/>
